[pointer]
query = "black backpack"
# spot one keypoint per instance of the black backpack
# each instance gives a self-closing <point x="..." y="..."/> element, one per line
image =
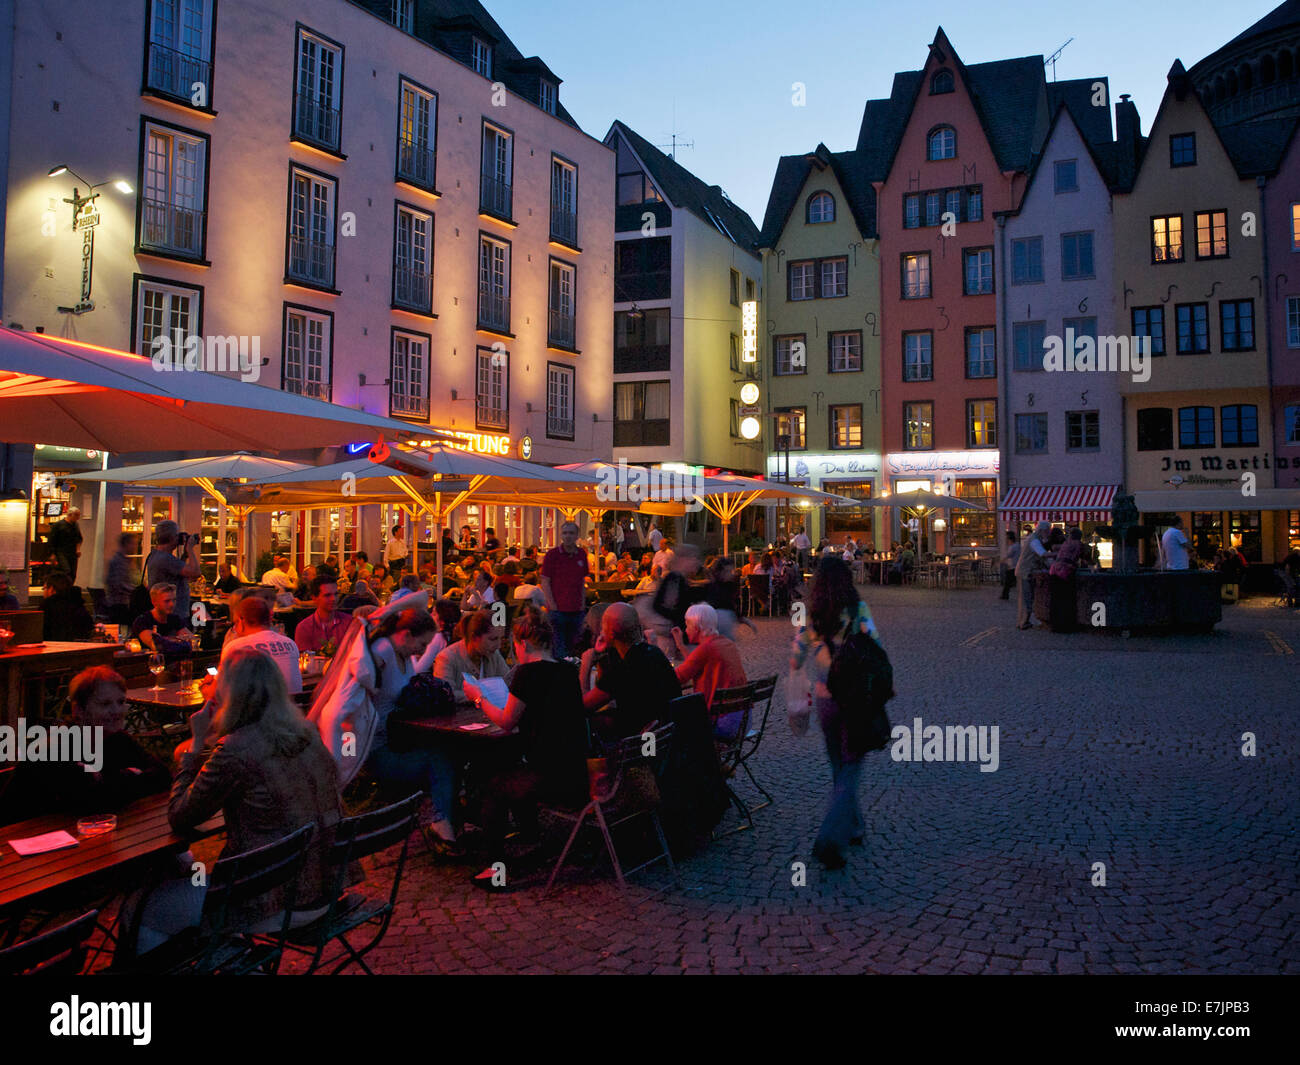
<point x="861" y="681"/>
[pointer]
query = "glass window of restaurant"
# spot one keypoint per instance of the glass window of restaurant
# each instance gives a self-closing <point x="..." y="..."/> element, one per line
<point x="973" y="527"/>
<point x="790" y="517"/>
<point x="1207" y="533"/>
<point x="1244" y="528"/>
<point x="141" y="513"/>
<point x="850" y="521"/>
<point x="218" y="522"/>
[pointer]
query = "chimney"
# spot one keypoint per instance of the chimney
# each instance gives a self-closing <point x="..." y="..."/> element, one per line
<point x="1128" y="138"/>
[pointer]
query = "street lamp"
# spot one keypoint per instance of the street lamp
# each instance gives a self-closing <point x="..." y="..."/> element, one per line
<point x="85" y="217"/>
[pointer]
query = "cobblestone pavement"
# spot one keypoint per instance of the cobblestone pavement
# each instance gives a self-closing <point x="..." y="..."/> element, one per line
<point x="1113" y="750"/>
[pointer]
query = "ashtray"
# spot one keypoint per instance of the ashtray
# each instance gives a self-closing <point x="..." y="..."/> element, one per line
<point x="97" y="825"/>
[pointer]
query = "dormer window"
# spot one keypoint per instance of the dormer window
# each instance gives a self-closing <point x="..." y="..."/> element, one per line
<point x="402" y="15"/>
<point x="941" y="82"/>
<point x="546" y="96"/>
<point x="481" y="56"/>
<point x="942" y="143"/>
<point x="821" y="208"/>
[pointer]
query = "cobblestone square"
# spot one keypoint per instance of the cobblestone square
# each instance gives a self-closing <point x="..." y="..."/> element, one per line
<point x="1113" y="750"/>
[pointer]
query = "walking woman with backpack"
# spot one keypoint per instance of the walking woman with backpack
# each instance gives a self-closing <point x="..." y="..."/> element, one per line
<point x="836" y="614"/>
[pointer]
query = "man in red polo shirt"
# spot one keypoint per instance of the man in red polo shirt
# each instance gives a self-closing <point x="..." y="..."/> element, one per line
<point x="564" y="575"/>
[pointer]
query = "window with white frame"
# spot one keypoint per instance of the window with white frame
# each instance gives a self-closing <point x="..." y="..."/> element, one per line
<point x="942" y="144"/>
<point x="412" y="260"/>
<point x="979" y="271"/>
<point x="834" y="278"/>
<point x="1293" y="322"/>
<point x="546" y="95"/>
<point x="402" y="15"/>
<point x="821" y="208"/>
<point x="789" y="355"/>
<point x="918" y="356"/>
<point x="408" y="388"/>
<point x="564" y="201"/>
<point x="1082" y="430"/>
<point x="981" y="423"/>
<point x="481" y="55"/>
<point x="173" y="200"/>
<point x="495" y="192"/>
<point x="311" y="227"/>
<point x="1295" y="227"/>
<point x="981" y="353"/>
<point x="846" y="351"/>
<point x="1291" y="422"/>
<point x="802" y="280"/>
<point x="169" y="312"/>
<point x="491" y="397"/>
<point x="559" y="400"/>
<point x="845" y="426"/>
<point x="319" y="91"/>
<point x="307" y="353"/>
<point x="417" y="135"/>
<point x="494" y="284"/>
<point x="916" y="276"/>
<point x="180" y="50"/>
<point x="562" y="321"/>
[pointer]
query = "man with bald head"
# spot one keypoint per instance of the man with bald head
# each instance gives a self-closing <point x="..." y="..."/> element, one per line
<point x="65" y="542"/>
<point x="637" y="677"/>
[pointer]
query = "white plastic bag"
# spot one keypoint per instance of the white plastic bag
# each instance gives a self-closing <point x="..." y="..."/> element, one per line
<point x="798" y="705"/>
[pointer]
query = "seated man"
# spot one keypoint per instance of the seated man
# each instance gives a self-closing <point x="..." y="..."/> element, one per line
<point x="162" y="629"/>
<point x="227" y="582"/>
<point x="8" y="601"/>
<point x="364" y="569"/>
<point x="253" y="629"/>
<point x="530" y="592"/>
<point x="637" y="677"/>
<point x="277" y="576"/>
<point x="713" y="663"/>
<point x="323" y="630"/>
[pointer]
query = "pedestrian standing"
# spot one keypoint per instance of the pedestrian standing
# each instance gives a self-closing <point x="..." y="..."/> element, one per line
<point x="653" y="537"/>
<point x="395" y="553"/>
<point x="1033" y="558"/>
<point x="1010" y="556"/>
<point x="835" y="610"/>
<point x="564" y="576"/>
<point x="65" y="542"/>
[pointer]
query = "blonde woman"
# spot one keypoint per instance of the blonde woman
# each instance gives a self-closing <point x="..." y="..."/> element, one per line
<point x="256" y="760"/>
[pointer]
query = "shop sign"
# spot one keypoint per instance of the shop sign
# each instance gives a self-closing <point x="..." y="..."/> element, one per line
<point x="824" y="465"/>
<point x="980" y="463"/>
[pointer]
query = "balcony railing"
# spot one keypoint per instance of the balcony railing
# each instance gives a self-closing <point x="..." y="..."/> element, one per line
<point x="493" y="312"/>
<point x="561" y="330"/>
<point x="916" y="290"/>
<point x="311" y="260"/>
<point x="488" y="416"/>
<point x="312" y="389"/>
<point x="559" y="425"/>
<point x="564" y="226"/>
<point x="495" y="196"/>
<point x="412" y="287"/>
<point x="176" y="74"/>
<point x="315" y="121"/>
<point x="918" y="372"/>
<point x="415" y="163"/>
<point x="168" y="228"/>
<point x="408" y="406"/>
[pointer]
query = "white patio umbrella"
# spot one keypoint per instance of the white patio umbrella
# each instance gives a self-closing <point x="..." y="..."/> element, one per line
<point x="726" y="495"/>
<point x="920" y="499"/>
<point x="218" y="475"/>
<point x="84" y="395"/>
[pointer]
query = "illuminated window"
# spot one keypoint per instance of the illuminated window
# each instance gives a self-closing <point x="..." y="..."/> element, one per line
<point x="1167" y="239"/>
<point x="1211" y="234"/>
<point x="417" y="132"/>
<point x="791" y="422"/>
<point x="916" y="276"/>
<point x="846" y="426"/>
<point x="981" y="423"/>
<point x="918" y="426"/>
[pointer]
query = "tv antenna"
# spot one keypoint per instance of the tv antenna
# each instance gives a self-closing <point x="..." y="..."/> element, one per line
<point x="675" y="145"/>
<point x="1054" y="57"/>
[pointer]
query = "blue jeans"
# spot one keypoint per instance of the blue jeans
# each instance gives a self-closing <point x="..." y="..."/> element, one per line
<point x="565" y="625"/>
<point x="843" y="819"/>
<point x="425" y="767"/>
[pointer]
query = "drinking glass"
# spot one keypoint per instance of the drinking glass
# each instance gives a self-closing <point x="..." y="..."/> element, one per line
<point x="185" y="671"/>
<point x="157" y="664"/>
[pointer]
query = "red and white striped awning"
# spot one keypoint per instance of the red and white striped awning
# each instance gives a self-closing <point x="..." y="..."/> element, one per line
<point x="1060" y="502"/>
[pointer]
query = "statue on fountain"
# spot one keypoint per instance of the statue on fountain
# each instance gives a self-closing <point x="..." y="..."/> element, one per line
<point x="1125" y="533"/>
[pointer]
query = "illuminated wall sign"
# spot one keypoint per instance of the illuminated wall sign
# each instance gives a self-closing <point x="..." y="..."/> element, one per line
<point x="526" y="448"/>
<point x="749" y="324"/>
<point x="824" y="465"/>
<point x="356" y="449"/>
<point x="930" y="462"/>
<point x="483" y="443"/>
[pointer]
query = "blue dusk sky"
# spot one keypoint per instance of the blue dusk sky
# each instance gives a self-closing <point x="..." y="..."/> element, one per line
<point x="719" y="72"/>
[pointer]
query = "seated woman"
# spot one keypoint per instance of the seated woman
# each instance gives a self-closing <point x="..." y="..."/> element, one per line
<point x="645" y="581"/>
<point x="481" y="593"/>
<point x="116" y="772"/>
<point x="66" y="616"/>
<point x="381" y="581"/>
<point x="477" y="656"/>
<point x="263" y="766"/>
<point x="712" y="661"/>
<point x="545" y="704"/>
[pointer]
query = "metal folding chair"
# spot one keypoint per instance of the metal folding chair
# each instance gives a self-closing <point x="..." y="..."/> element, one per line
<point x="738" y="700"/>
<point x="625" y="756"/>
<point x="59" y="952"/>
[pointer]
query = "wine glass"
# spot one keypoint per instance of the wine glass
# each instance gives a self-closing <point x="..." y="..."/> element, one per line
<point x="156" y="666"/>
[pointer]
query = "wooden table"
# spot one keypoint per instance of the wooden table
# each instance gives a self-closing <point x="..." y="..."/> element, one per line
<point x="174" y="697"/>
<point x="426" y="728"/>
<point x="28" y="662"/>
<point x="142" y="832"/>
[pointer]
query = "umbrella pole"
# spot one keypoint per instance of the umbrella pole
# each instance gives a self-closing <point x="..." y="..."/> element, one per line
<point x="437" y="554"/>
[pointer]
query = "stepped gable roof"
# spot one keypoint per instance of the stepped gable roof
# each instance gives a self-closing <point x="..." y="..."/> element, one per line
<point x="792" y="172"/>
<point x="686" y="191"/>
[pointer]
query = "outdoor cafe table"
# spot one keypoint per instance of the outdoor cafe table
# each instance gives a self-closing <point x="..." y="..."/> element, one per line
<point x="142" y="832"/>
<point x="174" y="697"/>
<point x="467" y="722"/>
<point x="26" y="662"/>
